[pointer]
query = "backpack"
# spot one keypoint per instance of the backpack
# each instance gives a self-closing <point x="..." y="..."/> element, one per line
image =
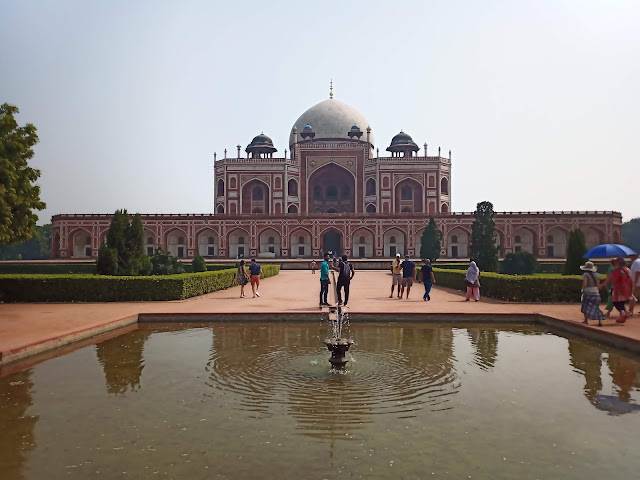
<point x="345" y="270"/>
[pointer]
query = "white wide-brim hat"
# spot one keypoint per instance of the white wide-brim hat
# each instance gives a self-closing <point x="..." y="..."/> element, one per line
<point x="589" y="267"/>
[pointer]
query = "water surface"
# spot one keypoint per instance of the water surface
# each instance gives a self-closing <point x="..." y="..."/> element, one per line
<point x="249" y="401"/>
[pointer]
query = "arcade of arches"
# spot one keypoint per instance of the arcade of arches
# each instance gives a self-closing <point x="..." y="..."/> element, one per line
<point x="291" y="237"/>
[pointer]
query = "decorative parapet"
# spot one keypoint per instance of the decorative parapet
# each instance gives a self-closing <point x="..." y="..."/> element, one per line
<point x="224" y="161"/>
<point x="410" y="160"/>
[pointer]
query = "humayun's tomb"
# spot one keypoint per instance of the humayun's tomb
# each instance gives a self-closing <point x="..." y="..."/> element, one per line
<point x="333" y="191"/>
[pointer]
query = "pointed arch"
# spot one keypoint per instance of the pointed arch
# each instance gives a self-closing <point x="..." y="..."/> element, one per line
<point x="394" y="242"/>
<point x="300" y="248"/>
<point x="176" y="240"/>
<point x="363" y="240"/>
<point x="81" y="243"/>
<point x="239" y="243"/>
<point x="332" y="186"/>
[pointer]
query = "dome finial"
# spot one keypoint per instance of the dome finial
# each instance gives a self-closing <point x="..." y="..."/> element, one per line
<point x="331" y="89"/>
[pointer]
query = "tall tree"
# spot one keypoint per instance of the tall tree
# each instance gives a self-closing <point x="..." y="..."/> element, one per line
<point x="19" y="196"/>
<point x="631" y="234"/>
<point x="430" y="243"/>
<point x="124" y="252"/>
<point x="483" y="238"/>
<point x="576" y="248"/>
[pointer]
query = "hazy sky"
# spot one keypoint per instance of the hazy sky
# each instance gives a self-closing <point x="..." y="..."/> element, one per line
<point x="539" y="101"/>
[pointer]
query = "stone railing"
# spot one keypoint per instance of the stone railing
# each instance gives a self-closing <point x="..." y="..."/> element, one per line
<point x="223" y="216"/>
<point x="290" y="161"/>
<point x="441" y="160"/>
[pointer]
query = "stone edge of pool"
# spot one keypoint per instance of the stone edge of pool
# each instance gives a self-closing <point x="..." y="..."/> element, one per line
<point x="28" y="355"/>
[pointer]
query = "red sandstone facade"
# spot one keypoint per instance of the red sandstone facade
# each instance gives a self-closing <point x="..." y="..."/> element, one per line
<point x="333" y="193"/>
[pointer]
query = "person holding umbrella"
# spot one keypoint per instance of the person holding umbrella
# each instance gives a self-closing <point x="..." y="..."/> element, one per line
<point x="591" y="294"/>
<point x="621" y="280"/>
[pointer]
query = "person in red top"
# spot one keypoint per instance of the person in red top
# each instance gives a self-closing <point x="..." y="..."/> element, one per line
<point x="620" y="278"/>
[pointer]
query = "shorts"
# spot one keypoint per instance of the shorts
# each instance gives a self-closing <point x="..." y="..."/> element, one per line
<point x="396" y="280"/>
<point x="407" y="282"/>
<point x="636" y="292"/>
<point x="255" y="279"/>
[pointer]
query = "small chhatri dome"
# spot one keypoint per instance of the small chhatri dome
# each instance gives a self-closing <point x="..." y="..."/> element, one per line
<point x="261" y="139"/>
<point x="403" y="143"/>
<point x="354" y="132"/>
<point x="307" y="132"/>
<point x="261" y="144"/>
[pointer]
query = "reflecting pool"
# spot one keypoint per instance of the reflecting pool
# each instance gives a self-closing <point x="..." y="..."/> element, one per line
<point x="248" y="401"/>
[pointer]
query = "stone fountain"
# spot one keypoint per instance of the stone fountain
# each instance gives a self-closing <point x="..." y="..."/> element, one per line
<point x="338" y="345"/>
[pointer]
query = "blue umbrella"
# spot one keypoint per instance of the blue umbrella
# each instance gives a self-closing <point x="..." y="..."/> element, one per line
<point x="607" y="250"/>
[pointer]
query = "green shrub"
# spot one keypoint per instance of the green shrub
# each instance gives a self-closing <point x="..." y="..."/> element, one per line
<point x="576" y="249"/>
<point x="198" y="264"/>
<point x="163" y="263"/>
<point x="47" y="268"/>
<point x="103" y="288"/>
<point x="517" y="288"/>
<point x="107" y="263"/>
<point x="519" y="263"/>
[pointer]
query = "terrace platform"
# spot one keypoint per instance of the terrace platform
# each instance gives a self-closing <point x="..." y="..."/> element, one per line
<point x="27" y="329"/>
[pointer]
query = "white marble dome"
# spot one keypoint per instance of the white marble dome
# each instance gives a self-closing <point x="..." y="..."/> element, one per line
<point x="332" y="119"/>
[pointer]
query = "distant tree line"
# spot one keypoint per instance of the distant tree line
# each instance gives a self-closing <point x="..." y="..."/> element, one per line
<point x="38" y="247"/>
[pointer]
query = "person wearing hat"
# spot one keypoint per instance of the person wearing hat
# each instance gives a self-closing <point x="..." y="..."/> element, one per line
<point x="591" y="294"/>
<point x="396" y="274"/>
<point x="635" y="281"/>
<point x="622" y="288"/>
<point x="409" y="274"/>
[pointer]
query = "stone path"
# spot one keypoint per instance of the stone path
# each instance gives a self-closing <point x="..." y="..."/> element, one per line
<point x="29" y="328"/>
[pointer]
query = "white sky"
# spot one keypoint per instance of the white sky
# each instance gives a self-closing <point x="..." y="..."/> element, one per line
<point x="539" y="101"/>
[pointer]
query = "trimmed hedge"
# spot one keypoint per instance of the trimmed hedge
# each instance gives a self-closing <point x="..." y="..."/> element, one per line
<point x="47" y="268"/>
<point x="519" y="288"/>
<point x="71" y="268"/>
<point x="98" y="288"/>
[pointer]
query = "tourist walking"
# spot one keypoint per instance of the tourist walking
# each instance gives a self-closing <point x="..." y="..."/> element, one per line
<point x="591" y="294"/>
<point x="609" y="307"/>
<point x="345" y="274"/>
<point x="324" y="281"/>
<point x="635" y="282"/>
<point x="622" y="288"/>
<point x="242" y="277"/>
<point x="472" y="281"/>
<point x="313" y="267"/>
<point x="255" y="270"/>
<point x="427" y="278"/>
<point x="409" y="274"/>
<point x="396" y="274"/>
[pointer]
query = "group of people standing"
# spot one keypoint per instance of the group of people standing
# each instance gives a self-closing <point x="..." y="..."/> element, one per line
<point x="345" y="275"/>
<point x="622" y="284"/>
<point x="404" y="273"/>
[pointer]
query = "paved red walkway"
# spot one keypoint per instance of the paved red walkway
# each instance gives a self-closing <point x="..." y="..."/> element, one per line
<point x="28" y="328"/>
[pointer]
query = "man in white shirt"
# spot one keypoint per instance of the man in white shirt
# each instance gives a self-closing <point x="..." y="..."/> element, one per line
<point x="635" y="281"/>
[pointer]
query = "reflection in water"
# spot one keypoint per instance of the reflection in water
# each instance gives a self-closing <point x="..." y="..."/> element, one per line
<point x="16" y="427"/>
<point x="625" y="373"/>
<point x="260" y="401"/>
<point x="122" y="360"/>
<point x="485" y="342"/>
<point x="392" y="371"/>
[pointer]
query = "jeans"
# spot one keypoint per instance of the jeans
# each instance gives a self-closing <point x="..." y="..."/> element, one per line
<point x="324" y="290"/>
<point x="343" y="283"/>
<point x="427" y="290"/>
